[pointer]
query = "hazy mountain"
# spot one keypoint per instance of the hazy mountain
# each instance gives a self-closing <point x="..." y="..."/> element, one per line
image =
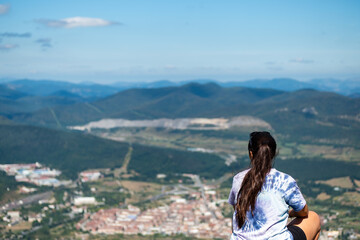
<point x="64" y="93"/>
<point x="47" y="87"/>
<point x="156" y="84"/>
<point x="8" y="93"/>
<point x="284" y="84"/>
<point x="355" y="95"/>
<point x="344" y="87"/>
<point x="93" y="90"/>
<point x="15" y="102"/>
<point x="191" y="100"/>
<point x="339" y="86"/>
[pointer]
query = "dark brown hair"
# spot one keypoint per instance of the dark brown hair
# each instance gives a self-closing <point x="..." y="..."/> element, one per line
<point x="263" y="148"/>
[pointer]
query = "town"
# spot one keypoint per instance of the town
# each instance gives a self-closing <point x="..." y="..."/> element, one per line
<point x="192" y="218"/>
<point x="34" y="173"/>
<point x="190" y="207"/>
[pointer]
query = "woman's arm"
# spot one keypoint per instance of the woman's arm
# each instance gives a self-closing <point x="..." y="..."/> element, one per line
<point x="302" y="213"/>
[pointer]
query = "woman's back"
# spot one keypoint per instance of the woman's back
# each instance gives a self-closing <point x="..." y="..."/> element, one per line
<point x="261" y="197"/>
<point x="269" y="218"/>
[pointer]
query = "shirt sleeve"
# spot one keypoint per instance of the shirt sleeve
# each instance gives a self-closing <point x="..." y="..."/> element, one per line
<point x="232" y="195"/>
<point x="293" y="196"/>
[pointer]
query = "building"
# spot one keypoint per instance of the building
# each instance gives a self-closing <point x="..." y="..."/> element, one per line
<point x="85" y="201"/>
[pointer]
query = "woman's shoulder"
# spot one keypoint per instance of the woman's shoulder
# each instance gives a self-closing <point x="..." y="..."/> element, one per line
<point x="284" y="177"/>
<point x="240" y="175"/>
<point x="273" y="173"/>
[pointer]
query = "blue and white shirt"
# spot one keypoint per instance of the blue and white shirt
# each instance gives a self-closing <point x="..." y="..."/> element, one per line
<point x="278" y="192"/>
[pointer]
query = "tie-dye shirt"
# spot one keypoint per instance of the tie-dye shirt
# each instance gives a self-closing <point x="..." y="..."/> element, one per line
<point x="278" y="192"/>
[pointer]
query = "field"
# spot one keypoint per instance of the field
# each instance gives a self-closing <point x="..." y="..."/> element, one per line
<point x="232" y="141"/>
<point x="344" y="182"/>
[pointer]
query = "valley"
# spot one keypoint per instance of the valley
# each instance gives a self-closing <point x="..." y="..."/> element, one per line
<point x="140" y="153"/>
<point x="228" y="140"/>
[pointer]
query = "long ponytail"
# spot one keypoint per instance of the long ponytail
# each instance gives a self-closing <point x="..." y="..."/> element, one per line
<point x="262" y="148"/>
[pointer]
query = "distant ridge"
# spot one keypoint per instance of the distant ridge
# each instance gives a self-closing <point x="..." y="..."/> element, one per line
<point x="344" y="87"/>
<point x="355" y="95"/>
<point x="11" y="94"/>
<point x="93" y="90"/>
<point x="284" y="84"/>
<point x="16" y="102"/>
<point x="64" y="93"/>
<point x="190" y="100"/>
<point x="47" y="87"/>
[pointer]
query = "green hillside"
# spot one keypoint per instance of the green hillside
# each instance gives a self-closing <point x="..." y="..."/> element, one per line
<point x="192" y="100"/>
<point x="73" y="152"/>
<point x="309" y="115"/>
<point x="67" y="151"/>
<point x="13" y="102"/>
<point x="149" y="161"/>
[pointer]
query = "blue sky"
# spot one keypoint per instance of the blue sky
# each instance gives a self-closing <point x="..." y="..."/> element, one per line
<point x="109" y="41"/>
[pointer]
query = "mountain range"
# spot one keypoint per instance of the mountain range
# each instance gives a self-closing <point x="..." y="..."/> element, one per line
<point x="344" y="87"/>
<point x="92" y="90"/>
<point x="33" y="125"/>
<point x="307" y="114"/>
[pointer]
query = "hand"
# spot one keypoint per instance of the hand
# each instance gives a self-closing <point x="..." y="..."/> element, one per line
<point x="302" y="213"/>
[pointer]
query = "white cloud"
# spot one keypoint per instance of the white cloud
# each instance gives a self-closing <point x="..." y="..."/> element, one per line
<point x="74" y="22"/>
<point x="5" y="47"/>
<point x="4" y="8"/>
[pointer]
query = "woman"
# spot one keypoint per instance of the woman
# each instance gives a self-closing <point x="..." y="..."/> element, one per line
<point x="261" y="197"/>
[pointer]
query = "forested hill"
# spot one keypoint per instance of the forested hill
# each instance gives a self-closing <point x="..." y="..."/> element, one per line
<point x="306" y="114"/>
<point x="72" y="152"/>
<point x="13" y="102"/>
<point x="192" y="100"/>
